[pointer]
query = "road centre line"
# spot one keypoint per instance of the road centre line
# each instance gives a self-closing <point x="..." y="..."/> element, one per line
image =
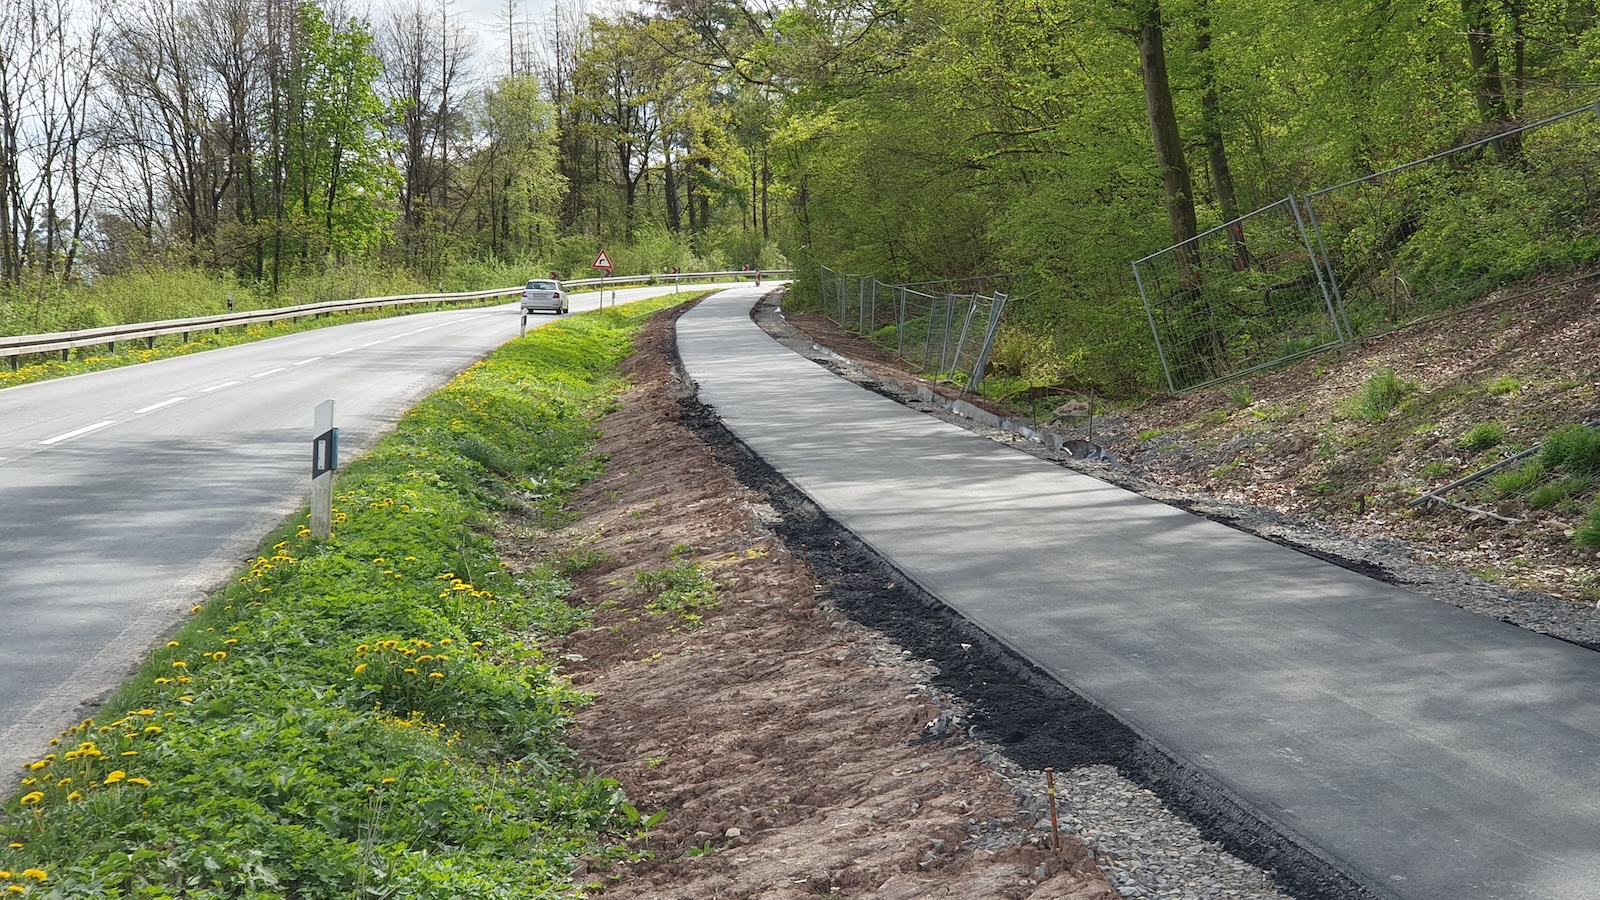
<point x="155" y="406"/>
<point x="77" y="432"/>
<point x="345" y="350"/>
<point x="218" y="387"/>
<point x="378" y="341"/>
<point x="305" y="361"/>
<point x="268" y="372"/>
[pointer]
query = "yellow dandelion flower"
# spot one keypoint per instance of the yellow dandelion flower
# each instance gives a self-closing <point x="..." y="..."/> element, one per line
<point x="378" y="561"/>
<point x="388" y="781"/>
<point x="116" y="776"/>
<point x="28" y="782"/>
<point x="16" y="889"/>
<point x="130" y="753"/>
<point x="32" y="797"/>
<point x="16" y="845"/>
<point x="197" y="608"/>
<point x="186" y="698"/>
<point x="142" y="782"/>
<point x="173" y="644"/>
<point x="36" y="874"/>
<point x="183" y="679"/>
<point x="411" y="671"/>
<point x="55" y="741"/>
<point x="131" y="735"/>
<point x="230" y="642"/>
<point x="219" y="656"/>
<point x="152" y="729"/>
<point x="144" y="712"/>
<point x="447" y="641"/>
<point x="64" y="782"/>
<point x="4" y="873"/>
<point x="163" y="681"/>
<point x="435" y="674"/>
<point x="38" y="764"/>
<point x="425" y="658"/>
<point x="361" y="668"/>
<point x="75" y="795"/>
<point x="179" y="664"/>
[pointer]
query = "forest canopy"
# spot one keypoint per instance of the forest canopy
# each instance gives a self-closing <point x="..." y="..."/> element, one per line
<point x="1054" y="141"/>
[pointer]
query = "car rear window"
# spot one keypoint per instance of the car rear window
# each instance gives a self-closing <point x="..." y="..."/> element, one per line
<point x="543" y="286"/>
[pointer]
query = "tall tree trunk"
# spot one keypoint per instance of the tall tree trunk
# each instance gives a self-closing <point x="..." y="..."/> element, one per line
<point x="1216" y="151"/>
<point x="1175" y="183"/>
<point x="669" y="187"/>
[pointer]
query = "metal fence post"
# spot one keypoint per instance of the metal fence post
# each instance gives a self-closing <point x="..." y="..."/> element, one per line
<point x="1155" y="332"/>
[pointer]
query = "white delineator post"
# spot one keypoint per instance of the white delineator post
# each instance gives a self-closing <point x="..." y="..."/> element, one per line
<point x="324" y="459"/>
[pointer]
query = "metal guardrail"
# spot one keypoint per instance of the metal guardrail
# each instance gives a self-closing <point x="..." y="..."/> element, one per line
<point x="66" y="341"/>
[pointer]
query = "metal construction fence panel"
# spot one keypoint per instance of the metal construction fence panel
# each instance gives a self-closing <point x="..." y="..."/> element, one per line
<point x="934" y="326"/>
<point x="1363" y="258"/>
<point x="1242" y="296"/>
<point x="1447" y="230"/>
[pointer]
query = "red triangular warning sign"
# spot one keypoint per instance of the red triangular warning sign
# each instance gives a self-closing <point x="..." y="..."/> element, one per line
<point x="602" y="261"/>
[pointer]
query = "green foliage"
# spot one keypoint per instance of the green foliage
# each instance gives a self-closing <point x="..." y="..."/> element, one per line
<point x="1378" y="397"/>
<point x="1505" y="384"/>
<point x="1482" y="436"/>
<point x="366" y="715"/>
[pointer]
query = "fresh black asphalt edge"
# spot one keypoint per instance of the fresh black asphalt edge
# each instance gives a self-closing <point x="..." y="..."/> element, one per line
<point x="1034" y="719"/>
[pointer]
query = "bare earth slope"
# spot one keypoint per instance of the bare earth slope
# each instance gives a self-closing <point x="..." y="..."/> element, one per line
<point x="778" y="736"/>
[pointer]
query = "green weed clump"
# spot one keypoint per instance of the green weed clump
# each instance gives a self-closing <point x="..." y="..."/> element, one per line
<point x="1379" y="396"/>
<point x="371" y="715"/>
<point x="1519" y="480"/>
<point x="682" y="590"/>
<point x="1587" y="535"/>
<point x="1547" y="495"/>
<point x="1483" y="436"/>
<point x="1572" y="448"/>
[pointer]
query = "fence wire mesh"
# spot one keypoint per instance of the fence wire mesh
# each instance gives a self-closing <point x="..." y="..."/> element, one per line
<point x="945" y="328"/>
<point x="1242" y="296"/>
<point x="1449" y="229"/>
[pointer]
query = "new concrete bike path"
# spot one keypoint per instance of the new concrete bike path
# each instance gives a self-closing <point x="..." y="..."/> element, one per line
<point x="1432" y="753"/>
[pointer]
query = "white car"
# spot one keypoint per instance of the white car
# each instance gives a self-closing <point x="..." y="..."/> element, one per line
<point x="544" y="295"/>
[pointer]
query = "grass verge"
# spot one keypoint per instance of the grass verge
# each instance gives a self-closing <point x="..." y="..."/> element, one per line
<point x="370" y="715"/>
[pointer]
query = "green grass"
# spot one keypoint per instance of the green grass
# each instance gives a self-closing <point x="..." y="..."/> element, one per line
<point x="371" y="715"/>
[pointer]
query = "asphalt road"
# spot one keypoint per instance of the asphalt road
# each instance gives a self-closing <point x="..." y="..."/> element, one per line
<point x="127" y="496"/>
<point x="1431" y="753"/>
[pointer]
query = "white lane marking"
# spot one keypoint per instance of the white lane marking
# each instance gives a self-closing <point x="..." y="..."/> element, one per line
<point x="345" y="350"/>
<point x="370" y="343"/>
<point x="424" y="328"/>
<point x="77" y="432"/>
<point x="268" y="372"/>
<point x="304" y="361"/>
<point x="163" y="404"/>
<point x="218" y="387"/>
